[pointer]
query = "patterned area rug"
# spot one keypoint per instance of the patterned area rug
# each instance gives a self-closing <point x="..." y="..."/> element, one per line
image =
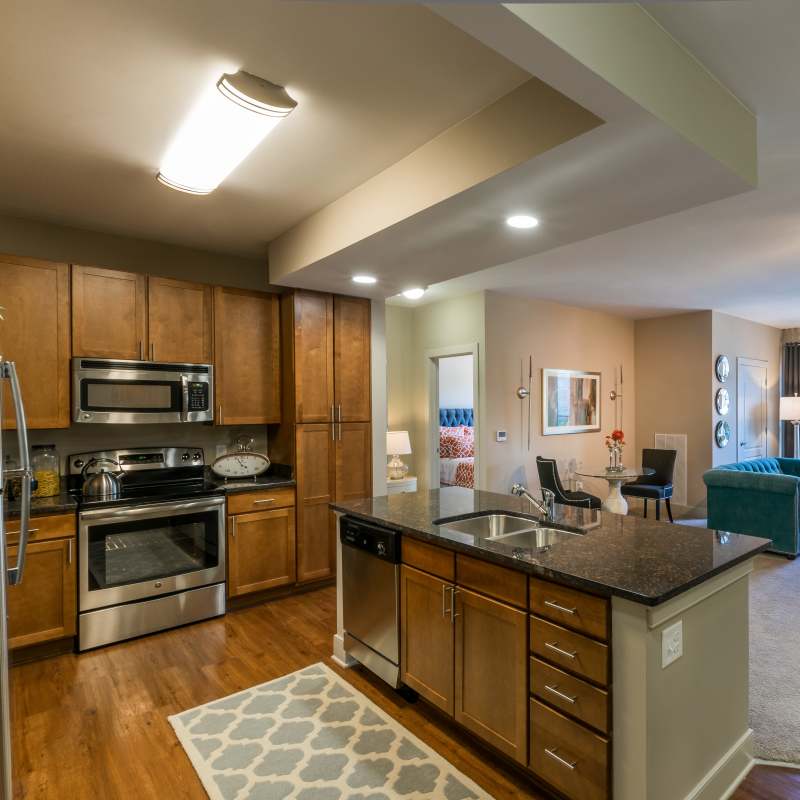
<point x="312" y="736"/>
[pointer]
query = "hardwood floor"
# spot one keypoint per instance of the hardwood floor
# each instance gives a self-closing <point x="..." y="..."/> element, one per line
<point x="95" y="725"/>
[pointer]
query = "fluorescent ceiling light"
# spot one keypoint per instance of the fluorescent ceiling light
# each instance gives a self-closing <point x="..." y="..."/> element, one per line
<point x="228" y="123"/>
<point x="364" y="279"/>
<point x="413" y="294"/>
<point x="522" y="221"/>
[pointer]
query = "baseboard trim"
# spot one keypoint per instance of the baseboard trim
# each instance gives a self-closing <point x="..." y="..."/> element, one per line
<point x="339" y="655"/>
<point x="722" y="780"/>
<point x="762" y="762"/>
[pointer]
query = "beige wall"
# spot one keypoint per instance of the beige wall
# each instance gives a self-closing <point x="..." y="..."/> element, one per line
<point x="672" y="386"/>
<point x="559" y="337"/>
<point x="740" y="338"/>
<point x="399" y="374"/>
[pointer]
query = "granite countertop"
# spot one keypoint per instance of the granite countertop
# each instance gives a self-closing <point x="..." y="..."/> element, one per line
<point x="638" y="559"/>
<point x="277" y="475"/>
<point x="61" y="503"/>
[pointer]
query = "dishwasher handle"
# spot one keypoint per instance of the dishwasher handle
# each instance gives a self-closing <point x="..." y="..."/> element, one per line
<point x="376" y="540"/>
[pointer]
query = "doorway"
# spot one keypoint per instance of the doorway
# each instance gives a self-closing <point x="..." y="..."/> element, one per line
<point x="751" y="409"/>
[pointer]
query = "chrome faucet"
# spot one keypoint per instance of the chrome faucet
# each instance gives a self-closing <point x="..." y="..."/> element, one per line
<point x="546" y="508"/>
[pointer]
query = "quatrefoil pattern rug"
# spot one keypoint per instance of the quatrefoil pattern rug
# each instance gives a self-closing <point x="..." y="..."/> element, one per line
<point x="312" y="736"/>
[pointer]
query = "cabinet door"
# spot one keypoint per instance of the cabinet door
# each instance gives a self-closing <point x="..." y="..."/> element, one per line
<point x="353" y="461"/>
<point x="43" y="606"/>
<point x="351" y="371"/>
<point x="491" y="672"/>
<point x="426" y="636"/>
<point x="179" y="321"/>
<point x="313" y="356"/>
<point x="247" y="357"/>
<point x="316" y="544"/>
<point x="260" y="551"/>
<point x="108" y="313"/>
<point x="35" y="334"/>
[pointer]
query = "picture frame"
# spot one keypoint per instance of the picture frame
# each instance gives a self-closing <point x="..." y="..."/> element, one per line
<point x="571" y="401"/>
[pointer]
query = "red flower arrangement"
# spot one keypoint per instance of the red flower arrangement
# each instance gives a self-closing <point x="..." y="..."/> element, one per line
<point x="615" y="439"/>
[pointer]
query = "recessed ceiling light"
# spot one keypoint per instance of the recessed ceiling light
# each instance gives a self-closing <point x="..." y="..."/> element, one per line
<point x="413" y="294"/>
<point x="369" y="279"/>
<point x="228" y="123"/>
<point x="522" y="221"/>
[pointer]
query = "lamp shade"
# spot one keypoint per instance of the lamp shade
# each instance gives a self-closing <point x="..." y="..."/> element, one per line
<point x="398" y="443"/>
<point x="790" y="408"/>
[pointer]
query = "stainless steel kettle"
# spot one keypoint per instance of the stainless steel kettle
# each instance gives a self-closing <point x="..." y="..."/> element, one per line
<point x="102" y="483"/>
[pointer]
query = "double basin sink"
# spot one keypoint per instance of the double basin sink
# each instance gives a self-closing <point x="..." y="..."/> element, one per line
<point x="509" y="529"/>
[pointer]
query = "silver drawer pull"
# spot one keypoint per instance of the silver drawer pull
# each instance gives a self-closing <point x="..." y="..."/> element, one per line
<point x="567" y="653"/>
<point x="555" y="690"/>
<point x="563" y="761"/>
<point x="30" y="530"/>
<point x="557" y="607"/>
<point x="258" y="502"/>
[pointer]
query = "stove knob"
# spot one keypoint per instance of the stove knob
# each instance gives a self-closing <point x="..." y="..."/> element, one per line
<point x="78" y="463"/>
<point x="196" y="456"/>
<point x="185" y="457"/>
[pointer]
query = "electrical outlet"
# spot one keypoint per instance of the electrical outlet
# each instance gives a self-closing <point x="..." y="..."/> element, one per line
<point x="671" y="643"/>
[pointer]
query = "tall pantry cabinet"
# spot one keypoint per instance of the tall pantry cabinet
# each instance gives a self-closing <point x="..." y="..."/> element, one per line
<point x="326" y="415"/>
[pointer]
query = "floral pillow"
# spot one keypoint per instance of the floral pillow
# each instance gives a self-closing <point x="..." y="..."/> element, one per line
<point x="456" y="442"/>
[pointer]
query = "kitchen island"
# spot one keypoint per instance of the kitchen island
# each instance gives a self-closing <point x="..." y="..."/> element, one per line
<point x="609" y="657"/>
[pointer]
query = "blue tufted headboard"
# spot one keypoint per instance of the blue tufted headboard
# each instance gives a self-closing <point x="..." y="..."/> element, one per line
<point x="452" y="417"/>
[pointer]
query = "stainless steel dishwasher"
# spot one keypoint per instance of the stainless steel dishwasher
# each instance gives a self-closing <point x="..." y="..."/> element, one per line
<point x="371" y="596"/>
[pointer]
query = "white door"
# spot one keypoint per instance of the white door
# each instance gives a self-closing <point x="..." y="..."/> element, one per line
<point x="751" y="408"/>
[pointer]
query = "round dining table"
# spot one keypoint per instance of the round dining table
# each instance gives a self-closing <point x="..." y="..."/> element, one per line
<point x="615" y="502"/>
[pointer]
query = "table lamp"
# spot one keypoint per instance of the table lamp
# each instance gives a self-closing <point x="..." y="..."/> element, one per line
<point x="790" y="412"/>
<point x="398" y="444"/>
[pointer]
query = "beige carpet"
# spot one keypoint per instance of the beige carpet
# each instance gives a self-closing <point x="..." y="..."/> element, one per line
<point x="775" y="658"/>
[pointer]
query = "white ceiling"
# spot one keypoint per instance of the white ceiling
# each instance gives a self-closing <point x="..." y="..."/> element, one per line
<point x="95" y="89"/>
<point x="740" y="255"/>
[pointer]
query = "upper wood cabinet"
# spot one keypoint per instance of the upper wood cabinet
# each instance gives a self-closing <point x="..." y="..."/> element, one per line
<point x="109" y="313"/>
<point x="35" y="335"/>
<point x="351" y="361"/>
<point x="179" y="321"/>
<point x="247" y="357"/>
<point x="313" y="356"/>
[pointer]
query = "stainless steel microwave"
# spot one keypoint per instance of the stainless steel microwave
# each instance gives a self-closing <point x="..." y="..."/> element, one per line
<point x="119" y="391"/>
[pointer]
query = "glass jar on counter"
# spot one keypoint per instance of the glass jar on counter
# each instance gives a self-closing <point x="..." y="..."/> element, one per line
<point x="44" y="465"/>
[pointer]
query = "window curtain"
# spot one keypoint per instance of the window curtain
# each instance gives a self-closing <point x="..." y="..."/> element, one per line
<point x="790" y="383"/>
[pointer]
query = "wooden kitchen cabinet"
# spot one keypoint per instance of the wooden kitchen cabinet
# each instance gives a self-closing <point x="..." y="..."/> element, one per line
<point x="247" y="357"/>
<point x="491" y="672"/>
<point x="427" y="637"/>
<point x="351" y="373"/>
<point x="261" y="551"/>
<point x="313" y="356"/>
<point x="353" y="461"/>
<point x="109" y="313"/>
<point x="179" y="321"/>
<point x="35" y="334"/>
<point x="43" y="607"/>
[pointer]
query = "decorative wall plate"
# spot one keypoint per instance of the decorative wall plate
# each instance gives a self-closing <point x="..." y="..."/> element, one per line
<point x="722" y="401"/>
<point x="722" y="368"/>
<point x="722" y="433"/>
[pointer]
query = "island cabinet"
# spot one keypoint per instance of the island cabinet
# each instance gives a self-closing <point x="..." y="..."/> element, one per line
<point x="42" y="607"/>
<point x="260" y="540"/>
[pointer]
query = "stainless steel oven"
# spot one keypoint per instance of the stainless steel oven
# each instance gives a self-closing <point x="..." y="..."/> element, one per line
<point x="119" y="391"/>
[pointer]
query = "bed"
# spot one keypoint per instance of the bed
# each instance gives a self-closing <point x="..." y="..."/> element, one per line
<point x="456" y="447"/>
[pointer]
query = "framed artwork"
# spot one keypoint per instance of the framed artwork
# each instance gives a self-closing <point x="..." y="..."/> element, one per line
<point x="570" y="401"/>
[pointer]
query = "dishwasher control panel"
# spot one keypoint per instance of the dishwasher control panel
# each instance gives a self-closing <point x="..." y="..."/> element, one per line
<point x="376" y="540"/>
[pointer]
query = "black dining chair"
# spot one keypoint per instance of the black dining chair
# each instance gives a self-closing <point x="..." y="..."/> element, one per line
<point x="549" y="479"/>
<point x="658" y="486"/>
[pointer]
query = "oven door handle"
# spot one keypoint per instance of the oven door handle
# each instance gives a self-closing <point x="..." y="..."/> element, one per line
<point x="148" y="509"/>
<point x="184" y="398"/>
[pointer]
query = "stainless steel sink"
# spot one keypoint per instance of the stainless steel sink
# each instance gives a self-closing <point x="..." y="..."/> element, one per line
<point x="536" y="538"/>
<point x="490" y="526"/>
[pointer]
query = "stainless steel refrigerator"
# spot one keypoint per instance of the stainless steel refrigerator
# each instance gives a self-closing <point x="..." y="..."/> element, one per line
<point x="8" y="573"/>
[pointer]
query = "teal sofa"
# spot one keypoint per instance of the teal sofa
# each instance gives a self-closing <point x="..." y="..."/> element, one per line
<point x="759" y="497"/>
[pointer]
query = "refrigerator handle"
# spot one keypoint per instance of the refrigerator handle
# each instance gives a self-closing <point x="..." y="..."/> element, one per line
<point x="8" y="370"/>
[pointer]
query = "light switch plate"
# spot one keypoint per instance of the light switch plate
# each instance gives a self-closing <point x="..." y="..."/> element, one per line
<point x="671" y="643"/>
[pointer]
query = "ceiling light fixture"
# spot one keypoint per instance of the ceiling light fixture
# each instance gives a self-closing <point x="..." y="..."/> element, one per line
<point x="228" y="123"/>
<point x="413" y="294"/>
<point x="522" y="221"/>
<point x="366" y="279"/>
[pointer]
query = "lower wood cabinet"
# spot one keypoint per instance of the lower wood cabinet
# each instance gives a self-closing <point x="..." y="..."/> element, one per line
<point x="261" y="550"/>
<point x="43" y="607"/>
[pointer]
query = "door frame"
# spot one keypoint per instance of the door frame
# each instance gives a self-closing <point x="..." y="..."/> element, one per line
<point x="751" y="362"/>
<point x="432" y="357"/>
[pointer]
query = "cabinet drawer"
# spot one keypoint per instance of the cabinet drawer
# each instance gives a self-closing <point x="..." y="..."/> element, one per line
<point x="570" y="650"/>
<point x="568" y="756"/>
<point x="570" y="694"/>
<point x="498" y="582"/>
<point x="569" y="607"/>
<point x="243" y="502"/>
<point x="55" y="526"/>
<point x="429" y="558"/>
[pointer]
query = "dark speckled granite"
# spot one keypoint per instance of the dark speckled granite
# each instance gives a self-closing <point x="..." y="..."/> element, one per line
<point x="277" y="475"/>
<point x="61" y="503"/>
<point x="638" y="559"/>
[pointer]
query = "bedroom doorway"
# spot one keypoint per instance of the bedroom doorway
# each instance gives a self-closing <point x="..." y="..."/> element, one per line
<point x="453" y="417"/>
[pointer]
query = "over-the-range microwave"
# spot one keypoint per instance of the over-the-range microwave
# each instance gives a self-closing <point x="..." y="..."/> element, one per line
<point x="119" y="391"/>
